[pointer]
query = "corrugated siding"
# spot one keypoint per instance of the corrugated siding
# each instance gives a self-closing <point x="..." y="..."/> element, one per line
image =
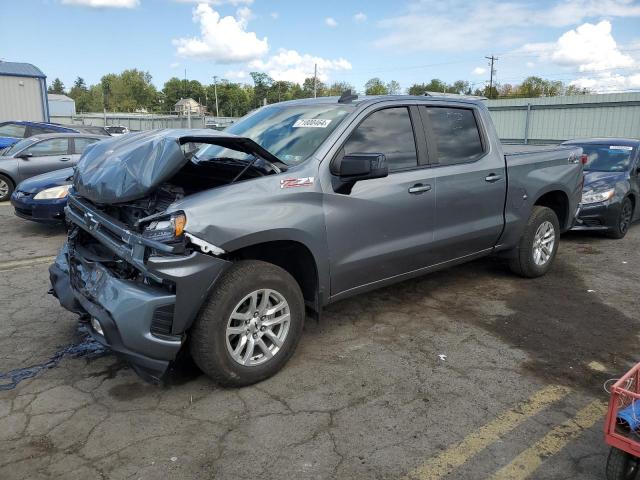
<point x="563" y="118"/>
<point x="21" y="99"/>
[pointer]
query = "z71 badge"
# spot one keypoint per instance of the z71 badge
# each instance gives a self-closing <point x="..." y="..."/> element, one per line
<point x="296" y="182"/>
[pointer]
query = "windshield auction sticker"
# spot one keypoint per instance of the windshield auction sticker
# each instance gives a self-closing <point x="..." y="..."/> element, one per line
<point x="620" y="147"/>
<point x="312" y="123"/>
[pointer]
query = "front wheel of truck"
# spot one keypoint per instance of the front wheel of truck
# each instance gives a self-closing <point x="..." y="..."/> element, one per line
<point x="538" y="244"/>
<point x="250" y="325"/>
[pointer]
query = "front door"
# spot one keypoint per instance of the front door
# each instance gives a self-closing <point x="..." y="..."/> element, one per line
<point x="382" y="227"/>
<point x="45" y="156"/>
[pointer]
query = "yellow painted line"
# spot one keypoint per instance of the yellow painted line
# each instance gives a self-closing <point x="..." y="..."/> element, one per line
<point x="5" y="204"/>
<point x="482" y="437"/>
<point x="27" y="262"/>
<point x="530" y="460"/>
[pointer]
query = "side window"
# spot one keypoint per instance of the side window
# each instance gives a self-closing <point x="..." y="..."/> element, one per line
<point x="54" y="146"/>
<point x="456" y="135"/>
<point x="387" y="131"/>
<point x="12" y="130"/>
<point x="82" y="143"/>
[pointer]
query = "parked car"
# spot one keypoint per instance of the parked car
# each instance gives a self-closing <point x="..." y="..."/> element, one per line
<point x="90" y="129"/>
<point x="116" y="130"/>
<point x="40" y="154"/>
<point x="11" y="132"/>
<point x="42" y="198"/>
<point x="611" y="185"/>
<point x="295" y="206"/>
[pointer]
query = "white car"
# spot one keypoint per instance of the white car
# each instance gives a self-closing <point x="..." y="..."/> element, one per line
<point x="115" y="130"/>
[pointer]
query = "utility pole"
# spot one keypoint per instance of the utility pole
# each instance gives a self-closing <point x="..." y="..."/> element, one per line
<point x="215" y="91"/>
<point x="315" y="80"/>
<point x="491" y="60"/>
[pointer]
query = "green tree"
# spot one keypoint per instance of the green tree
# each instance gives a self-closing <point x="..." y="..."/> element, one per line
<point x="393" y="88"/>
<point x="338" y="88"/>
<point x="261" y="84"/>
<point x="129" y="91"/>
<point x="56" y="87"/>
<point x="308" y="85"/>
<point x="375" y="86"/>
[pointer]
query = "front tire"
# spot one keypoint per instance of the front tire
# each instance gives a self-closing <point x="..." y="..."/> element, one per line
<point x="250" y="325"/>
<point x="538" y="245"/>
<point x="620" y="229"/>
<point x="6" y="188"/>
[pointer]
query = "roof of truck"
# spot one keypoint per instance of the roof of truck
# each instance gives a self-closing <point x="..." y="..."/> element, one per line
<point x="367" y="99"/>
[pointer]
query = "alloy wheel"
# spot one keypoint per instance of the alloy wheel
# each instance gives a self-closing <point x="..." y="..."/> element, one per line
<point x="543" y="243"/>
<point x="258" y="327"/>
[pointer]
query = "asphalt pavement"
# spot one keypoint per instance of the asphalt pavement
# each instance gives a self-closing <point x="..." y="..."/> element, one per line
<point x="466" y="373"/>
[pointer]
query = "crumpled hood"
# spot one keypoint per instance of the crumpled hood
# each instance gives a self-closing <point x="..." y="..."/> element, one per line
<point x="128" y="167"/>
<point x="602" y="180"/>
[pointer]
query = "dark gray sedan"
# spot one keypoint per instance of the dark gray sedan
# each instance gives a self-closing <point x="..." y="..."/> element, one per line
<point x="611" y="185"/>
<point x="40" y="154"/>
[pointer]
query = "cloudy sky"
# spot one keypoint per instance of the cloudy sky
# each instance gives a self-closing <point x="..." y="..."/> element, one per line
<point x="592" y="43"/>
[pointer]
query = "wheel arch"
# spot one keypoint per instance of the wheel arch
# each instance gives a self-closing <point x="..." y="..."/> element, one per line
<point x="558" y="201"/>
<point x="294" y="257"/>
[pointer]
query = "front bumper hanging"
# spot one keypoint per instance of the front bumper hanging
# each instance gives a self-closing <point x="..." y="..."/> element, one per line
<point x="142" y="321"/>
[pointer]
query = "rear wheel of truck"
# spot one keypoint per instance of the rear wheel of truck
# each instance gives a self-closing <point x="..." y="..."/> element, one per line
<point x="538" y="245"/>
<point x="250" y="325"/>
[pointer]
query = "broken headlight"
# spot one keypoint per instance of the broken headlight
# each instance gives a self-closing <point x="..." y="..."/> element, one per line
<point x="166" y="229"/>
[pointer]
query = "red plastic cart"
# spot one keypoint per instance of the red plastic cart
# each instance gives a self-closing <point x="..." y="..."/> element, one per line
<point x="624" y="437"/>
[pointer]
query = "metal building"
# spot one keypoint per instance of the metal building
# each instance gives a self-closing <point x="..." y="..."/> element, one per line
<point x="61" y="105"/>
<point x="23" y="92"/>
<point x="554" y="119"/>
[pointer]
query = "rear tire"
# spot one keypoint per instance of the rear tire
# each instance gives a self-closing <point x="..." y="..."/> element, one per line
<point x="250" y="293"/>
<point x="538" y="244"/>
<point x="6" y="188"/>
<point x="621" y="465"/>
<point x="620" y="229"/>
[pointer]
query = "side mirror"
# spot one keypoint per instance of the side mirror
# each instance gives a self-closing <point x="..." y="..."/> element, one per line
<point x="24" y="155"/>
<point x="361" y="166"/>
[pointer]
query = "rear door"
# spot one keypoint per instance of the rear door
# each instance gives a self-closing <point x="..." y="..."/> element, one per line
<point x="45" y="156"/>
<point x="471" y="182"/>
<point x="382" y="227"/>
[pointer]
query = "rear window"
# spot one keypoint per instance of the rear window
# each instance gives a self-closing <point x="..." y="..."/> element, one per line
<point x="455" y="134"/>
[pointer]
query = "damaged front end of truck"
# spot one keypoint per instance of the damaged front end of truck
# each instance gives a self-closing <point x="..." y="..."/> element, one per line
<point x="130" y="263"/>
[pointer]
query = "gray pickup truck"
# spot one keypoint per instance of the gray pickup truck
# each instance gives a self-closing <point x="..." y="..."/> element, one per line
<point x="219" y="243"/>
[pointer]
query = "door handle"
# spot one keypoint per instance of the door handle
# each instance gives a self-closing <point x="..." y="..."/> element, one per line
<point x="493" y="178"/>
<point x="419" y="188"/>
<point x="65" y="159"/>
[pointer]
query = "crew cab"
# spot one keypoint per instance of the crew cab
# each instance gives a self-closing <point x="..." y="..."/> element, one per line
<point x="221" y="242"/>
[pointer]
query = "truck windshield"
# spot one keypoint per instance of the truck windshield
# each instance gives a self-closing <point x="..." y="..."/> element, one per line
<point x="291" y="133"/>
<point x="607" y="158"/>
